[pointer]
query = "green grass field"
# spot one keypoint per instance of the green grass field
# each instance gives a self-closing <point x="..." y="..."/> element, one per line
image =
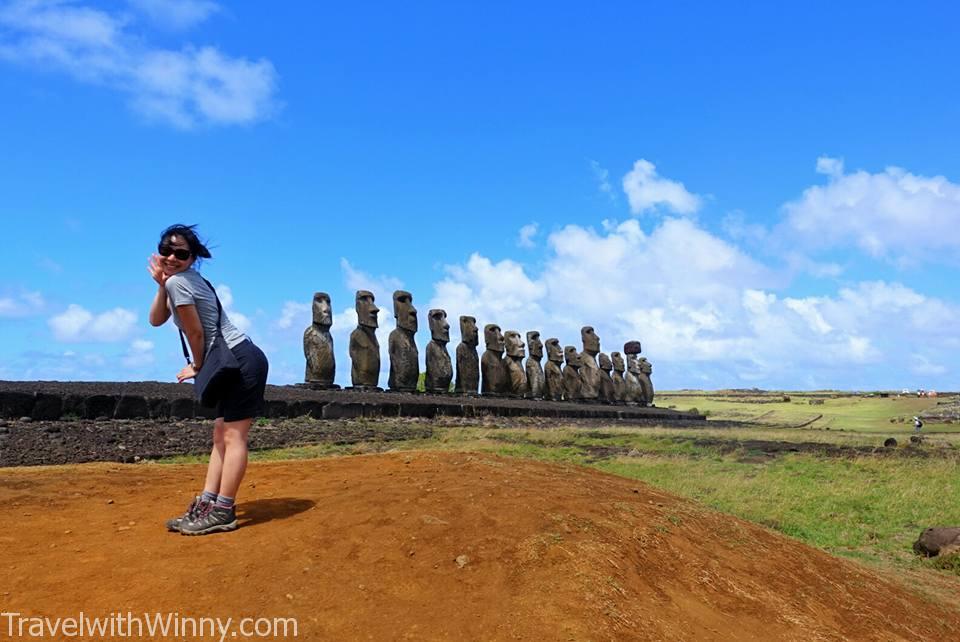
<point x="854" y="504"/>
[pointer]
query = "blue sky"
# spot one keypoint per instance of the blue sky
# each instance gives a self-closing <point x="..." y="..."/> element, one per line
<point x="763" y="194"/>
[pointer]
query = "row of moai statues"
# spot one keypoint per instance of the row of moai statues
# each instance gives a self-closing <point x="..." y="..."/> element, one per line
<point x="584" y="376"/>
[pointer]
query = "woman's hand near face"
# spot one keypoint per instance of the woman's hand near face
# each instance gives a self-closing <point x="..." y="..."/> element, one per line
<point x="155" y="268"/>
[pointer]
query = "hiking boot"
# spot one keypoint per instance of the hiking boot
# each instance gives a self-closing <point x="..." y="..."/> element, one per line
<point x="209" y="519"/>
<point x="173" y="524"/>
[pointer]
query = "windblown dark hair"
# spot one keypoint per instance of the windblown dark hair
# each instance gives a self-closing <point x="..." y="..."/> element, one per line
<point x="189" y="234"/>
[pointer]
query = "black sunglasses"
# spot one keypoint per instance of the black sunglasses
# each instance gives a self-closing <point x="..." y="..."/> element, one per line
<point x="179" y="252"/>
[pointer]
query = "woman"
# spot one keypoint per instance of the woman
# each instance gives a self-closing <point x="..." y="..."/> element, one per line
<point x="192" y="302"/>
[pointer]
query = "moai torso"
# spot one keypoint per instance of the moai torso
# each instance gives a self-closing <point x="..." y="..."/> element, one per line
<point x="321" y="367"/>
<point x="606" y="381"/>
<point x="364" y="346"/>
<point x="494" y="380"/>
<point x="634" y="391"/>
<point x="534" y="371"/>
<point x="572" y="384"/>
<point x="619" y="385"/>
<point x="468" y="363"/>
<point x="589" y="371"/>
<point x="516" y="376"/>
<point x="553" y="372"/>
<point x="402" y="348"/>
<point x="439" y="369"/>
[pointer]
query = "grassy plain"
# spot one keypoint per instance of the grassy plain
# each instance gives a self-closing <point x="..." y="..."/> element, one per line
<point x="851" y="497"/>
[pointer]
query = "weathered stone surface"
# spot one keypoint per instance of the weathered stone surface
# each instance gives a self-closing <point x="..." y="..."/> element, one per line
<point x="494" y="381"/>
<point x="277" y="408"/>
<point x="632" y="379"/>
<point x="536" y="379"/>
<point x="16" y="404"/>
<point x="99" y="406"/>
<point x="572" y="384"/>
<point x="619" y="385"/>
<point x="183" y="408"/>
<point x="516" y="376"/>
<point x="47" y="407"/>
<point x="589" y="370"/>
<point x="646" y="383"/>
<point x="159" y="407"/>
<point x="338" y="410"/>
<point x="321" y="369"/>
<point x="553" y="374"/>
<point x="439" y="368"/>
<point x="132" y="407"/>
<point x="631" y="347"/>
<point x="606" y="381"/>
<point x="364" y="346"/>
<point x="468" y="363"/>
<point x="404" y="356"/>
<point x="933" y="541"/>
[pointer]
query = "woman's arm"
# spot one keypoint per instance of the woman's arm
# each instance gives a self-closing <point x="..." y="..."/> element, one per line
<point x="159" y="312"/>
<point x="190" y="321"/>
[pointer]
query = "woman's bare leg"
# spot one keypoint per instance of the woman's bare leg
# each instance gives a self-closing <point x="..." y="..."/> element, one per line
<point x="215" y="467"/>
<point x="234" y="456"/>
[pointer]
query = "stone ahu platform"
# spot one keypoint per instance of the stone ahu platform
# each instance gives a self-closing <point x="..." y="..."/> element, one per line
<point x="67" y="400"/>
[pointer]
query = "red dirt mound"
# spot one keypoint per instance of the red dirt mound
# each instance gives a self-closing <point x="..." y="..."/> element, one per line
<point x="435" y="546"/>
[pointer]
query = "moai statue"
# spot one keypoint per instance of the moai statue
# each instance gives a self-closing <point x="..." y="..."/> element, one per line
<point x="535" y="376"/>
<point x="619" y="385"/>
<point x="606" y="381"/>
<point x="494" y="381"/>
<point x="516" y="376"/>
<point x="589" y="371"/>
<point x="404" y="357"/>
<point x="554" y="375"/>
<point x="364" y="347"/>
<point x="634" y="393"/>
<point x="468" y="363"/>
<point x="646" y="385"/>
<point x="572" y="383"/>
<point x="439" y="368"/>
<point x="318" y="346"/>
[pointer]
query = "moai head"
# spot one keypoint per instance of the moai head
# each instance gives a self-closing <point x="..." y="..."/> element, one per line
<point x="366" y="309"/>
<point x="468" y="331"/>
<point x="322" y="315"/>
<point x="633" y="364"/>
<point x="572" y="356"/>
<point x="631" y="347"/>
<point x="534" y="345"/>
<point x="439" y="328"/>
<point x="591" y="342"/>
<point x="514" y="344"/>
<point x="554" y="351"/>
<point x="617" y="362"/>
<point x="493" y="337"/>
<point x="644" y="366"/>
<point x="403" y="311"/>
<point x="605" y="364"/>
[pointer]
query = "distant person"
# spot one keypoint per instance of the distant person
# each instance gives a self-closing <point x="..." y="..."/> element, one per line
<point x="193" y="304"/>
<point x="917" y="425"/>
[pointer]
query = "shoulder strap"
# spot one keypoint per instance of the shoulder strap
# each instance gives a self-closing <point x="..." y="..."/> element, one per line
<point x="183" y="343"/>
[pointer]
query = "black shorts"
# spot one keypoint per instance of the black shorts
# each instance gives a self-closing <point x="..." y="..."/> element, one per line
<point x="245" y="399"/>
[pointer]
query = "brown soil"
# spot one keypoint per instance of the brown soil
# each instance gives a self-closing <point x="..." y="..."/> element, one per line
<point x="367" y="547"/>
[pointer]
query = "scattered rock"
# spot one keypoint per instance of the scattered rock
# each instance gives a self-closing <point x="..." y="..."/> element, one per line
<point x="634" y="453"/>
<point x="51" y="428"/>
<point x="916" y="439"/>
<point x="3" y="429"/>
<point x="462" y="560"/>
<point x="890" y="442"/>
<point x="26" y="420"/>
<point x="934" y="540"/>
<point x="109" y="501"/>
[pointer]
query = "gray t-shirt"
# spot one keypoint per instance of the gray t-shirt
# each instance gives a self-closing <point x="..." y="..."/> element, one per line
<point x="189" y="288"/>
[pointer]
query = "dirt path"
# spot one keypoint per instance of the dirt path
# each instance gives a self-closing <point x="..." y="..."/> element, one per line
<point x="367" y="547"/>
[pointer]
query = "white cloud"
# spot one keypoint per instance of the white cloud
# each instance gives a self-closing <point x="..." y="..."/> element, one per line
<point x="240" y="320"/>
<point x="295" y="314"/>
<point x="382" y="286"/>
<point x="22" y="305"/>
<point x="705" y="312"/>
<point x="186" y="87"/>
<point x="139" y="354"/>
<point x="603" y="179"/>
<point x="892" y="214"/>
<point x="646" y="191"/>
<point x="176" y="14"/>
<point x="527" y="232"/>
<point x="77" y="323"/>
